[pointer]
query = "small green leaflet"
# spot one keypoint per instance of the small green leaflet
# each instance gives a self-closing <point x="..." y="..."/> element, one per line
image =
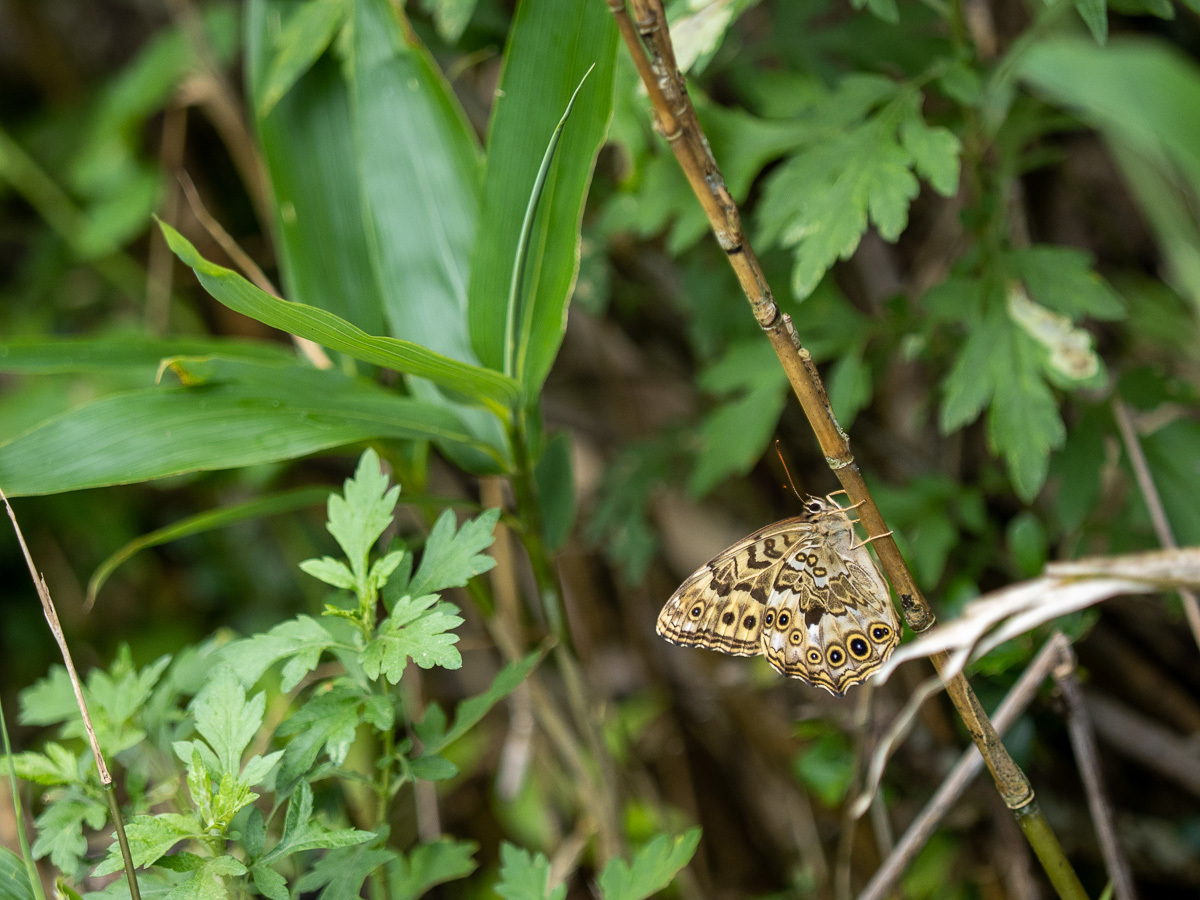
<point x="411" y="875"/>
<point x="57" y="765"/>
<point x="60" y="829"/>
<point x="227" y="721"/>
<point x="525" y="877"/>
<point x="300" y="641"/>
<point x="207" y="883"/>
<point x="327" y="721"/>
<point x="359" y="516"/>
<point x="301" y="832"/>
<point x="652" y="869"/>
<point x="416" y="630"/>
<point x="452" y="559"/>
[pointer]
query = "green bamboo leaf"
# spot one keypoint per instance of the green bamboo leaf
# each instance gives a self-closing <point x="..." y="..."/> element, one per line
<point x="420" y="173"/>
<point x="235" y="414"/>
<point x="490" y="388"/>
<point x="551" y="45"/>
<point x="308" y="147"/>
<point x="270" y="505"/>
<point x="135" y="354"/>
<point x="305" y="37"/>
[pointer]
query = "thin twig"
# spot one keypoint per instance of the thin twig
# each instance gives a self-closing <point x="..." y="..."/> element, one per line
<point x="51" y="615"/>
<point x="961" y="775"/>
<point x="1145" y="741"/>
<point x="845" y="846"/>
<point x="312" y="351"/>
<point x="1158" y="516"/>
<point x="1087" y="758"/>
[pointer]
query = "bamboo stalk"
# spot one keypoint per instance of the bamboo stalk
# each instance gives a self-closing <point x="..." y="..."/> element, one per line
<point x="649" y="43"/>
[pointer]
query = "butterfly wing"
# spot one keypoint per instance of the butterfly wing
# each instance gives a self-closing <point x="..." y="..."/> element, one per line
<point x="829" y="619"/>
<point x="720" y="606"/>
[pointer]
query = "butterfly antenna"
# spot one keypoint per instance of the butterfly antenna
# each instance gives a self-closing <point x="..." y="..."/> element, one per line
<point x="872" y="538"/>
<point x="786" y="470"/>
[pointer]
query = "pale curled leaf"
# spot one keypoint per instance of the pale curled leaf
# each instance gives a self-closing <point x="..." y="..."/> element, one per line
<point x="1063" y="588"/>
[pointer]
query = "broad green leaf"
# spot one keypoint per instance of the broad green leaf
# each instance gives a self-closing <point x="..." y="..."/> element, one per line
<point x="304" y="38"/>
<point x="341" y="872"/>
<point x="431" y="767"/>
<point x="850" y="386"/>
<point x="453" y="557"/>
<point x="419" y="167"/>
<point x="653" y="867"/>
<point x="825" y="766"/>
<point x="331" y="331"/>
<point x="468" y="713"/>
<point x="735" y="435"/>
<point x="969" y="386"/>
<point x="14" y="879"/>
<point x="411" y="875"/>
<point x="301" y="832"/>
<point x="413" y="630"/>
<point x="270" y="883"/>
<point x="265" y="414"/>
<point x="227" y="720"/>
<point x="149" y="838"/>
<point x="137" y="355"/>
<point x="301" y="641"/>
<point x="269" y="505"/>
<point x="308" y="147"/>
<point x="551" y="45"/>
<point x="1171" y="455"/>
<point x="525" y="877"/>
<point x="1095" y="15"/>
<point x="886" y="10"/>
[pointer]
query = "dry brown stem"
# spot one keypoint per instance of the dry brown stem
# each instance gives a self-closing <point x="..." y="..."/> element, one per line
<point x="1087" y="757"/>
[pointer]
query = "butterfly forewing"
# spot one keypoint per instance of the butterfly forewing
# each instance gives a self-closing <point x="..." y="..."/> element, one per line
<point x="801" y="592"/>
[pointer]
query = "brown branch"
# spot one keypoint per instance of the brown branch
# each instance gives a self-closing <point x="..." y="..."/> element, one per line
<point x="676" y="119"/>
<point x="1158" y="516"/>
<point x="1087" y="758"/>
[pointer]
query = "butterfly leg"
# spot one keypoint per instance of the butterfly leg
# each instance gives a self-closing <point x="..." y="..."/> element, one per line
<point x="873" y="537"/>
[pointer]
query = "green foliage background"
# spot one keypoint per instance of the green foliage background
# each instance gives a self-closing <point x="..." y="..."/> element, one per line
<point x="983" y="224"/>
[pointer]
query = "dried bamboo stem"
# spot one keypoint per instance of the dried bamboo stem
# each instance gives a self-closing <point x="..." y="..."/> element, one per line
<point x="649" y="43"/>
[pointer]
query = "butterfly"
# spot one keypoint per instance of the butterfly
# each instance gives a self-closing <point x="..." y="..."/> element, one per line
<point x="803" y="592"/>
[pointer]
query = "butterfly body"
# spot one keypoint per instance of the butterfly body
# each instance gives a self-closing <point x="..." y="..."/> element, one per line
<point x="802" y="592"/>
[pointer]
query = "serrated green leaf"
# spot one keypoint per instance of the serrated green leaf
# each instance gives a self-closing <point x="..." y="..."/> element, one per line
<point x="525" y="877"/>
<point x="300" y="641"/>
<point x="305" y="36"/>
<point x="413" y="630"/>
<point x="431" y="731"/>
<point x="331" y="331"/>
<point x="57" y="765"/>
<point x="361" y="514"/>
<point x="1062" y="279"/>
<point x="60" y="830"/>
<point x="150" y="837"/>
<point x="269" y="883"/>
<point x="653" y="867"/>
<point x="327" y="721"/>
<point x="935" y="152"/>
<point x="412" y="874"/>
<point x="208" y="881"/>
<point x="227" y="720"/>
<point x="1024" y="424"/>
<point x="301" y="832"/>
<point x="341" y="872"/>
<point x="452" y="558"/>
<point x="970" y="385"/>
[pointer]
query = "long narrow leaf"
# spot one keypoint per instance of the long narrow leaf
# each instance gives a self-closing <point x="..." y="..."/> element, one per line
<point x="130" y="353"/>
<point x="274" y="413"/>
<point x="270" y="505"/>
<point x="491" y="388"/>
